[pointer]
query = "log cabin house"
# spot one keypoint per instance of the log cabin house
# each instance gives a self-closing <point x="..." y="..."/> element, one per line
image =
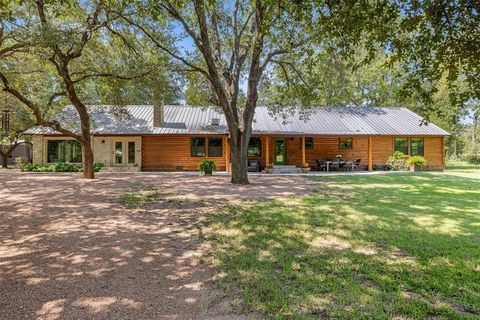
<point x="177" y="138"/>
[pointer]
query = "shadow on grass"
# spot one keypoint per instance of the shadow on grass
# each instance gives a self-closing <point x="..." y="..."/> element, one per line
<point x="363" y="246"/>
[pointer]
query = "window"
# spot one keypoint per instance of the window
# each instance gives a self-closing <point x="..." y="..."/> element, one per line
<point x="346" y="143"/>
<point x="309" y="143"/>
<point x="64" y="151"/>
<point x="401" y="144"/>
<point x="215" y="147"/>
<point x="416" y="146"/>
<point x="198" y="147"/>
<point x="131" y="151"/>
<point x="118" y="152"/>
<point x="255" y="147"/>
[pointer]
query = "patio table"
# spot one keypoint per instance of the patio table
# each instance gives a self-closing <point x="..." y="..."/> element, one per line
<point x="346" y="163"/>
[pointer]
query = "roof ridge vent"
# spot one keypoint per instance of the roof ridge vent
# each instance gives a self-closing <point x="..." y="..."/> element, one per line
<point x="215" y="121"/>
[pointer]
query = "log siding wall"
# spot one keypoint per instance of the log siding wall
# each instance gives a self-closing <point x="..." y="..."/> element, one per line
<point x="328" y="147"/>
<point x="173" y="152"/>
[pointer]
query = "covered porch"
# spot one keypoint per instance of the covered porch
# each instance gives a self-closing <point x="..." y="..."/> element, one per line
<point x="320" y="152"/>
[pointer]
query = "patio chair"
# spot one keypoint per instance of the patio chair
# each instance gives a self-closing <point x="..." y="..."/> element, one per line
<point x="321" y="165"/>
<point x="253" y="166"/>
<point x="356" y="164"/>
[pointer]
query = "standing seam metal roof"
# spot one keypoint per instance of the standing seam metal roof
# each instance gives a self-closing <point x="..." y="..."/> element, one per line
<point x="196" y="120"/>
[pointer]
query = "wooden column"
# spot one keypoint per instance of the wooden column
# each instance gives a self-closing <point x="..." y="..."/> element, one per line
<point x="370" y="153"/>
<point x="303" y="151"/>
<point x="267" y="150"/>
<point x="227" y="155"/>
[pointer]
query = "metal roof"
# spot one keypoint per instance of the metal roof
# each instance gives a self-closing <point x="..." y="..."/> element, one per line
<point x="138" y="119"/>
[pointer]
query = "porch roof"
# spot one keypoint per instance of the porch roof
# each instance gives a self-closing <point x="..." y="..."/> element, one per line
<point x="138" y="120"/>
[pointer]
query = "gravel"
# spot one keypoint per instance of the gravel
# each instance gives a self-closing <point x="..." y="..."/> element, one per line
<point x="70" y="250"/>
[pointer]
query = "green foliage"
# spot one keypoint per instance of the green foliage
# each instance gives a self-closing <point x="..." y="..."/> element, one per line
<point x="417" y="161"/>
<point x="473" y="159"/>
<point x="21" y="162"/>
<point x="39" y="168"/>
<point x="66" y="167"/>
<point x="207" y="166"/>
<point x="97" y="166"/>
<point x="375" y="167"/>
<point x="397" y="161"/>
<point x="60" y="167"/>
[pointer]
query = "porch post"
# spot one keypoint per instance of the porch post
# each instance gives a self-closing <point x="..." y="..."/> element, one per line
<point x="370" y="153"/>
<point x="267" y="150"/>
<point x="303" y="151"/>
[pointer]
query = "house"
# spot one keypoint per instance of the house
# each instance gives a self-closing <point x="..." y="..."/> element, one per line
<point x="22" y="150"/>
<point x="172" y="137"/>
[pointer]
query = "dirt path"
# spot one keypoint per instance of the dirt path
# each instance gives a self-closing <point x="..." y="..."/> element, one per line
<point x="70" y="250"/>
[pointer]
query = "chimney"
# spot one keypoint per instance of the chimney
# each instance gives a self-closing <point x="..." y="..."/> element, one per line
<point x="158" y="112"/>
<point x="214" y="121"/>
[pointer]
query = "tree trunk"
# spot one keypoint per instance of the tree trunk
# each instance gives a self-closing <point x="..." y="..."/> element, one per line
<point x="4" y="160"/>
<point x="88" y="162"/>
<point x="239" y="159"/>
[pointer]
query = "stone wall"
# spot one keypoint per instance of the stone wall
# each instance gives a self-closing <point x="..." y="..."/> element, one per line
<point x="102" y="149"/>
<point x="37" y="149"/>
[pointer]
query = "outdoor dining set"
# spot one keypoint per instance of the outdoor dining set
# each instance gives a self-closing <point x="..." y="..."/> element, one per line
<point x="338" y="165"/>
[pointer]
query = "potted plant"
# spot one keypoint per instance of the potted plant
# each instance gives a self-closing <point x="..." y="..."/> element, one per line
<point x="416" y="163"/>
<point x="207" y="167"/>
<point x="306" y="167"/>
<point x="269" y="168"/>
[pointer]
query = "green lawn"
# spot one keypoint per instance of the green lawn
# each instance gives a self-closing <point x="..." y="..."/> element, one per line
<point x="399" y="245"/>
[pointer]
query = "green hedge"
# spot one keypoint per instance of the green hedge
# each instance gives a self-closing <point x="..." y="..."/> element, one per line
<point x="60" y="167"/>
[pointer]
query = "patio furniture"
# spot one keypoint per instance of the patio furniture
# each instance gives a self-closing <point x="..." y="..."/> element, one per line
<point x="321" y="165"/>
<point x="336" y="165"/>
<point x="356" y="164"/>
<point x="253" y="166"/>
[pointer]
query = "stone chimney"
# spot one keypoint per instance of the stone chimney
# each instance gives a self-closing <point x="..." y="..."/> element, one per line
<point x="158" y="112"/>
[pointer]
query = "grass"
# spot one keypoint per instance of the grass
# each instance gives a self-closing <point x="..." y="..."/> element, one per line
<point x="138" y="198"/>
<point x="461" y="165"/>
<point x="385" y="246"/>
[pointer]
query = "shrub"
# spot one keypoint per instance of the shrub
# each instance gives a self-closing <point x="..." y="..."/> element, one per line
<point x="397" y="161"/>
<point x="36" y="168"/>
<point x="66" y="167"/>
<point x="473" y="159"/>
<point x="98" y="166"/>
<point x="207" y="166"/>
<point x="375" y="167"/>
<point x="417" y="161"/>
<point x="21" y="162"/>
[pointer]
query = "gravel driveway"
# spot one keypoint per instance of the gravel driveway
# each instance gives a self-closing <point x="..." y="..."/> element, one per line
<point x="70" y="250"/>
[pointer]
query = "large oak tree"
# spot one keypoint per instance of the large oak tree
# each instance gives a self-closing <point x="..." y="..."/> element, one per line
<point x="235" y="42"/>
<point x="54" y="52"/>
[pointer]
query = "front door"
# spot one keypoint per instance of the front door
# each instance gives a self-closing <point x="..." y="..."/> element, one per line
<point x="118" y="153"/>
<point x="280" y="151"/>
<point x="123" y="153"/>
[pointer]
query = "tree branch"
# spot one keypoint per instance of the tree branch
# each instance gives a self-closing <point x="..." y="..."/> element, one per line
<point x="111" y="75"/>
<point x="165" y="49"/>
<point x="39" y="121"/>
